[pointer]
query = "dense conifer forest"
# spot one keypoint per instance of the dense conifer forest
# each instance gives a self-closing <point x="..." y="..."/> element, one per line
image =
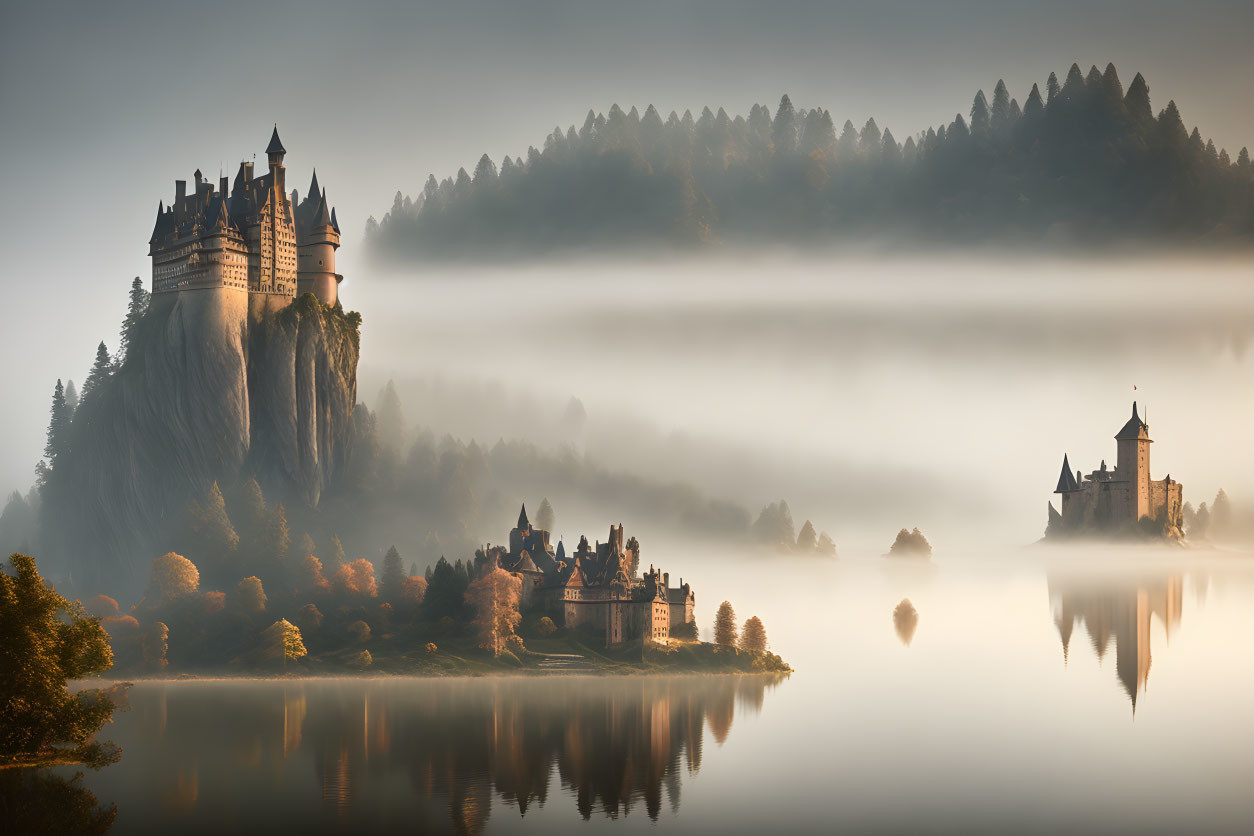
<point x="1084" y="161"/>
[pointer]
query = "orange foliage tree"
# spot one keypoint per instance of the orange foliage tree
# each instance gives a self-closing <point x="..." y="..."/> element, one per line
<point x="495" y="598"/>
<point x="356" y="578"/>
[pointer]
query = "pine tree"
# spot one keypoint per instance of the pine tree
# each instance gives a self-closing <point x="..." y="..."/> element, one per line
<point x="979" y="114"/>
<point x="847" y="145"/>
<point x="1243" y="159"/>
<point x="784" y="129"/>
<point x="546" y="520"/>
<point x="1220" y="513"/>
<point x="753" y="636"/>
<point x="58" y="428"/>
<point x="100" y="372"/>
<point x="1033" y="107"/>
<point x="1052" y="90"/>
<point x="335" y="555"/>
<point x="1001" y="108"/>
<point x="807" y="538"/>
<point x="393" y="575"/>
<point x="254" y="508"/>
<point x="870" y="140"/>
<point x="211" y="525"/>
<point x="135" y="310"/>
<point x="71" y="398"/>
<point x="725" y="625"/>
<point x="485" y="171"/>
<point x="1137" y="101"/>
<point x="391" y="417"/>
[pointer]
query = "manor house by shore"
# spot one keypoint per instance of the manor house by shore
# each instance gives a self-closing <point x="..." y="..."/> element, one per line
<point x="598" y="585"/>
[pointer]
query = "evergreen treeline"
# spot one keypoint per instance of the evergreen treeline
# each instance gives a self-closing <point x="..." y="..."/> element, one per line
<point x="1085" y="161"/>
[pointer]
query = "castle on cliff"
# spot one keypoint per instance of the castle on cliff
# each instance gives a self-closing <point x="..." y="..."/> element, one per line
<point x="597" y="585"/>
<point x="1120" y="501"/>
<point x="257" y="239"/>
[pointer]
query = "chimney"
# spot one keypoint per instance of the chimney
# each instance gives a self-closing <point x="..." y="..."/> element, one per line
<point x="222" y="184"/>
<point x="666" y="580"/>
<point x="180" y="190"/>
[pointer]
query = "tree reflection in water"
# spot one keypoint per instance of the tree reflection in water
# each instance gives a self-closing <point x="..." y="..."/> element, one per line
<point x="41" y="801"/>
<point x="614" y="744"/>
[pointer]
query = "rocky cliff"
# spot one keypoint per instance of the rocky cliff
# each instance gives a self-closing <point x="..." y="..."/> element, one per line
<point x="211" y="390"/>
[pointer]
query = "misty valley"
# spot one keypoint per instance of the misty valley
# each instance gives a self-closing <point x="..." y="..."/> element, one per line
<point x="739" y="470"/>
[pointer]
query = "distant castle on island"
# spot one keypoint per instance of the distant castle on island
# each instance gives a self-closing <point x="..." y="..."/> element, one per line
<point x="1120" y="501"/>
<point x="597" y="585"/>
<point x="257" y="239"/>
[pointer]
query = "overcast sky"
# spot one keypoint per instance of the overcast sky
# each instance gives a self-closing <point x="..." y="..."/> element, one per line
<point x="104" y="105"/>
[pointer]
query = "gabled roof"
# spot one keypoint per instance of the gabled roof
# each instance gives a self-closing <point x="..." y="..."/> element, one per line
<point x="1133" y="428"/>
<point x="275" y="146"/>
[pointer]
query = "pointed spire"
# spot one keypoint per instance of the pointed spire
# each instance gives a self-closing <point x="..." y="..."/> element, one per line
<point x="1066" y="481"/>
<point x="523" y="523"/>
<point x="335" y="224"/>
<point x="1134" y="427"/>
<point x="314" y="191"/>
<point x="276" y="145"/>
<point x="321" y="217"/>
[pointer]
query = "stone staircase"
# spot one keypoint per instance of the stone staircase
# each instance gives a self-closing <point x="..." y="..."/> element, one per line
<point x="564" y="663"/>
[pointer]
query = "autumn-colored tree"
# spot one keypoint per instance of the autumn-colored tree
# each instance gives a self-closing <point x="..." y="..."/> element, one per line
<point x="310" y="618"/>
<point x="102" y="606"/>
<point x="361" y="660"/>
<point x="545" y="626"/>
<point x="753" y="636"/>
<point x="251" y="596"/>
<point x="495" y="598"/>
<point x="172" y="577"/>
<point x="356" y="579"/>
<point x="282" y="640"/>
<point x="725" y="625"/>
<point x="413" y="590"/>
<point x="215" y="601"/>
<point x="360" y="631"/>
<point x="311" y="577"/>
<point x="156" y="645"/>
<point x="47" y="640"/>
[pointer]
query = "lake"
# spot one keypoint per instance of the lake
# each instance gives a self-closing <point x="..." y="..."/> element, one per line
<point x="1033" y="691"/>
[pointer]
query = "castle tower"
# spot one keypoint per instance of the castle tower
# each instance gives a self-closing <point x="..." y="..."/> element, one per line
<point x="1133" y="466"/>
<point x="315" y="254"/>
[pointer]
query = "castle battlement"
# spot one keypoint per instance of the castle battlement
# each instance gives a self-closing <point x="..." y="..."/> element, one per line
<point x="254" y="237"/>
<point x="1123" y="500"/>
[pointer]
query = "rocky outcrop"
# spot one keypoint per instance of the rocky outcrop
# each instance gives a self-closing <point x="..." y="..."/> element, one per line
<point x="210" y="391"/>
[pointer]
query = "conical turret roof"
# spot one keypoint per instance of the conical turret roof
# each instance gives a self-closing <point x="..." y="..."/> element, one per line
<point x="1066" y="479"/>
<point x="1133" y="428"/>
<point x="314" y="191"/>
<point x="276" y="145"/>
<point x="322" y="216"/>
<point x="523" y="522"/>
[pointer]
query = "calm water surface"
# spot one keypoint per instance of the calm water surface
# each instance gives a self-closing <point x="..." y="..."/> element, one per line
<point x="1098" y="693"/>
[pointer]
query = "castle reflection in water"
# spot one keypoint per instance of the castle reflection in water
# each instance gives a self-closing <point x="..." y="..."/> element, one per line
<point x="1120" y="610"/>
<point x="610" y="745"/>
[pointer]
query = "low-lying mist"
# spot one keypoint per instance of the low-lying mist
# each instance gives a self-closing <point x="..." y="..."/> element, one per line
<point x="870" y="393"/>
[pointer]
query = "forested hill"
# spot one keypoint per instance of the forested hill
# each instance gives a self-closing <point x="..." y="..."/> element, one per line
<point x="1084" y="162"/>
